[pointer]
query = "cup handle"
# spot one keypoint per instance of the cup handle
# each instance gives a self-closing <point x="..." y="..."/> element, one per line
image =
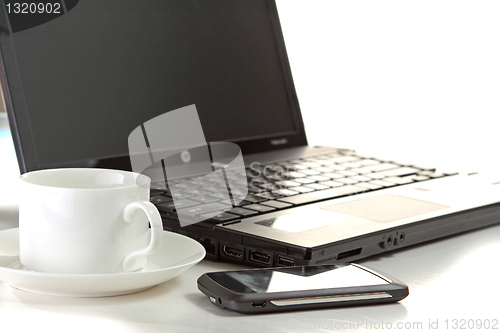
<point x="153" y="215"/>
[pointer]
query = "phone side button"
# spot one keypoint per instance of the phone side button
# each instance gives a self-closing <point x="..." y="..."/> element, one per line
<point x="329" y="299"/>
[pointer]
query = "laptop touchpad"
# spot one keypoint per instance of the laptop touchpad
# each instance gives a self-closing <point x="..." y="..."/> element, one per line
<point x="385" y="208"/>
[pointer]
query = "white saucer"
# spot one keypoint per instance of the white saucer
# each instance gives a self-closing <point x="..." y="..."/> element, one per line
<point x="176" y="254"/>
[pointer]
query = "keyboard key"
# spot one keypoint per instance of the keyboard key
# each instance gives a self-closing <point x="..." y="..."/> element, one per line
<point x="319" y="178"/>
<point x="196" y="191"/>
<point x="361" y="171"/>
<point x="295" y="167"/>
<point x="277" y="204"/>
<point x="276" y="176"/>
<point x="420" y="178"/>
<point x="256" y="181"/>
<point x="265" y="195"/>
<point x="253" y="172"/>
<point x="298" y="160"/>
<point x="187" y="185"/>
<point x="400" y="180"/>
<point x="333" y="175"/>
<point x="423" y="168"/>
<point x="181" y="195"/>
<point x="324" y="162"/>
<point x="158" y="199"/>
<point x="317" y="186"/>
<point x="219" y="195"/>
<point x="204" y="198"/>
<point x="242" y="212"/>
<point x="310" y="172"/>
<point x="349" y="181"/>
<point x="431" y="174"/>
<point x="310" y="164"/>
<point x="158" y="186"/>
<point x="259" y="208"/>
<point x="217" y="189"/>
<point x="305" y="180"/>
<point x="240" y="182"/>
<point x="251" y="190"/>
<point x="222" y="217"/>
<point x="381" y="167"/>
<point x="337" y="167"/>
<point x="284" y="192"/>
<point x="202" y="183"/>
<point x="202" y="209"/>
<point x="399" y="172"/>
<point x="368" y="161"/>
<point x="294" y="174"/>
<point x="362" y="178"/>
<point x="323" y="195"/>
<point x="254" y="199"/>
<point x="271" y="169"/>
<point x="382" y="183"/>
<point x="352" y="165"/>
<point x="269" y="186"/>
<point x="156" y="192"/>
<point x="348" y="173"/>
<point x="287" y="183"/>
<point x="302" y="189"/>
<point x="243" y="203"/>
<point x="331" y="183"/>
<point x="179" y="204"/>
<point x="375" y="176"/>
<point x="324" y="169"/>
<point x="176" y="181"/>
<point x="370" y="186"/>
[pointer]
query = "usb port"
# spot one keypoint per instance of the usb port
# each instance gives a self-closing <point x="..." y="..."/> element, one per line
<point x="285" y="261"/>
<point x="232" y="252"/>
<point x="260" y="257"/>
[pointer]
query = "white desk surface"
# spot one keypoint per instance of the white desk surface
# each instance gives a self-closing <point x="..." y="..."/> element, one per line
<point x="453" y="281"/>
<point x="410" y="82"/>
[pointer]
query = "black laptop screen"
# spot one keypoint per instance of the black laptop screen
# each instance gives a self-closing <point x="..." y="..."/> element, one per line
<point x="92" y="75"/>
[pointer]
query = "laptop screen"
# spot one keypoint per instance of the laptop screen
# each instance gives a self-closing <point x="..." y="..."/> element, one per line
<point x="80" y="83"/>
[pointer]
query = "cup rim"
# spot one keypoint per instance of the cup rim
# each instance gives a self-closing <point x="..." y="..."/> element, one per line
<point x="141" y="180"/>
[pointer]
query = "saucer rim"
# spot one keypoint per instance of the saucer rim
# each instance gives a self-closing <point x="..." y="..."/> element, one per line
<point x="100" y="275"/>
<point x="98" y="285"/>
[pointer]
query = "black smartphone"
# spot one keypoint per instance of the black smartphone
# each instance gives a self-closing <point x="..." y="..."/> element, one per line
<point x="300" y="288"/>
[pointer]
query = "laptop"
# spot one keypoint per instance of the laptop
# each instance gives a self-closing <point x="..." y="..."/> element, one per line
<point x="78" y="81"/>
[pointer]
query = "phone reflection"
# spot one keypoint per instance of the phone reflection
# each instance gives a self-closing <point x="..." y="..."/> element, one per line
<point x="304" y="278"/>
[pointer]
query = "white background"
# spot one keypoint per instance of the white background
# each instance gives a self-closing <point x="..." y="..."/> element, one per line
<point x="407" y="80"/>
<point x="404" y="79"/>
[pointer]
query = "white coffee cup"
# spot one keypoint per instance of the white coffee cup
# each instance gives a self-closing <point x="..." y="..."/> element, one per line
<point x="86" y="221"/>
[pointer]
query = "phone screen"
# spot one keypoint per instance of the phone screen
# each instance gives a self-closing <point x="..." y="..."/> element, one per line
<point x="298" y="278"/>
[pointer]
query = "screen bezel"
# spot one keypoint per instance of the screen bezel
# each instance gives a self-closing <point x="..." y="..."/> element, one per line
<point x="20" y="125"/>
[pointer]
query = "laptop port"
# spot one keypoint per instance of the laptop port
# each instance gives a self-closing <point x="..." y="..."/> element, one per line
<point x="209" y="245"/>
<point x="232" y="252"/>
<point x="401" y="238"/>
<point x="259" y="257"/>
<point x="350" y="253"/>
<point x="285" y="261"/>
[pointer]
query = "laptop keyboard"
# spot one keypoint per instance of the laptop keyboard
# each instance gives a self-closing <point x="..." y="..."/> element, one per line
<point x="282" y="185"/>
